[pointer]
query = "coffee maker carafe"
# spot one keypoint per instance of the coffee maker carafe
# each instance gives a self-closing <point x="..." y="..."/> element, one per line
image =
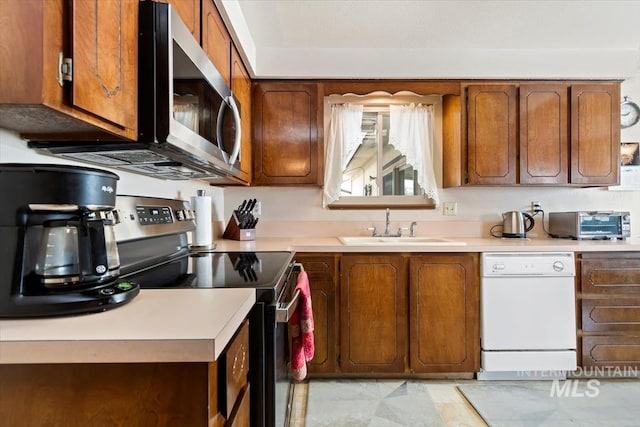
<point x="79" y="250"/>
<point x="58" y="250"/>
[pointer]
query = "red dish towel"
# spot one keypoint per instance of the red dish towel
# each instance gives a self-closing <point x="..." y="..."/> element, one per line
<point x="302" y="345"/>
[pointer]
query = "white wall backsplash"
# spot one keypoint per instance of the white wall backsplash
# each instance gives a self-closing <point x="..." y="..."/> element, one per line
<point x="15" y="150"/>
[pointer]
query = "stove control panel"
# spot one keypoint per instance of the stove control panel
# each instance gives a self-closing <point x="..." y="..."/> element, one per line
<point x="141" y="217"/>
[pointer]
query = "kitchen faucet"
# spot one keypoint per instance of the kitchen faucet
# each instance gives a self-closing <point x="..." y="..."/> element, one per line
<point x="387" y="232"/>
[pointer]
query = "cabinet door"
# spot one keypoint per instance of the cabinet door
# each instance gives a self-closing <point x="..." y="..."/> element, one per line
<point x="491" y="134"/>
<point x="235" y="368"/>
<point x="216" y="41"/>
<point x="444" y="310"/>
<point x="544" y="134"/>
<point x="287" y="148"/>
<point x="241" y="88"/>
<point x="104" y="59"/>
<point x="189" y="11"/>
<point x="595" y="133"/>
<point x="373" y="314"/>
<point x="321" y="269"/>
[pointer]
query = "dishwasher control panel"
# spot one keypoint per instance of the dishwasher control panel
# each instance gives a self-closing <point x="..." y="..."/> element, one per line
<point x="527" y="264"/>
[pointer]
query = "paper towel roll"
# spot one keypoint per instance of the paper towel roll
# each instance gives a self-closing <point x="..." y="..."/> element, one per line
<point x="203" y="235"/>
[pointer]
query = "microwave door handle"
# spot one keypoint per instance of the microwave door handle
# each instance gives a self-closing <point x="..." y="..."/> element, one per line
<point x="284" y="311"/>
<point x="230" y="160"/>
<point x="236" y="118"/>
<point x="223" y="106"/>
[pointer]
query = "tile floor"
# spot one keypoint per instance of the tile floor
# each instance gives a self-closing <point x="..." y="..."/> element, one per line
<point x="382" y="403"/>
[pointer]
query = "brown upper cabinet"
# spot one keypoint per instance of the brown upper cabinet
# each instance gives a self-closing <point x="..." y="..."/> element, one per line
<point x="241" y="88"/>
<point x="491" y="134"/>
<point x="287" y="132"/>
<point x="189" y="11"/>
<point x="544" y="134"/>
<point x="534" y="133"/>
<point x="595" y="134"/>
<point x="216" y="41"/>
<point x="41" y="41"/>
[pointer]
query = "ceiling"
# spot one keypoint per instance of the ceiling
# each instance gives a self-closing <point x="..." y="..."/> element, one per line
<point x="436" y="39"/>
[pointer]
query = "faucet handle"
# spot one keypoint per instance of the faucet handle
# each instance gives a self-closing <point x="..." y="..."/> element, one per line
<point x="412" y="228"/>
<point x="372" y="230"/>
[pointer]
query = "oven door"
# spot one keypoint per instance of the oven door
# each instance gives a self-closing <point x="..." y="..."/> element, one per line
<point x="278" y="378"/>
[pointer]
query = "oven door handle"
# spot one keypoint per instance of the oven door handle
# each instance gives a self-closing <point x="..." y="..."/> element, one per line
<point x="284" y="311"/>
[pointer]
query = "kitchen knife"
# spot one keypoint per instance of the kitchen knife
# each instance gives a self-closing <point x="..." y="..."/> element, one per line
<point x="251" y="205"/>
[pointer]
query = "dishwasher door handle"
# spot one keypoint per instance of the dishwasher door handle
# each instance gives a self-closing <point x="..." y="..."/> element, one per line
<point x="284" y="311"/>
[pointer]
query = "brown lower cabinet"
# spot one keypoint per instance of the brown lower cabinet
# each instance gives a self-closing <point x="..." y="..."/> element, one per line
<point x="322" y="269"/>
<point x="609" y="307"/>
<point x="373" y="314"/>
<point x="129" y="394"/>
<point x="394" y="313"/>
<point x="444" y="312"/>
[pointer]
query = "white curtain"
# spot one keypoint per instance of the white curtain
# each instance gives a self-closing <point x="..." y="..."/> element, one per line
<point x="411" y="133"/>
<point x="345" y="136"/>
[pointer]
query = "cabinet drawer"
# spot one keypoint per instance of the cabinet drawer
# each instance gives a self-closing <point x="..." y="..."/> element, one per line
<point x="612" y="350"/>
<point x="234" y="369"/>
<point x="610" y="276"/>
<point x="318" y="267"/>
<point x="615" y="314"/>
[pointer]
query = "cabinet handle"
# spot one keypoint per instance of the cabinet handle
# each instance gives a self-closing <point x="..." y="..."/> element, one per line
<point x="235" y="369"/>
<point x="65" y="69"/>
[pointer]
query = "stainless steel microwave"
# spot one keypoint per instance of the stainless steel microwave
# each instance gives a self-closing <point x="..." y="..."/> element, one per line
<point x="188" y="119"/>
<point x="590" y="225"/>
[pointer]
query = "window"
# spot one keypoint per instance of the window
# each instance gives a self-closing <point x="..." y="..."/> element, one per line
<point x="372" y="167"/>
<point x="377" y="168"/>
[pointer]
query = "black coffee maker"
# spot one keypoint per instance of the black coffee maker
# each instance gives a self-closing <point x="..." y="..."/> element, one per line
<point x="58" y="253"/>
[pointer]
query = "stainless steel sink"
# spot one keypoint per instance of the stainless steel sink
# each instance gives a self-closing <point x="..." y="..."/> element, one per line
<point x="400" y="241"/>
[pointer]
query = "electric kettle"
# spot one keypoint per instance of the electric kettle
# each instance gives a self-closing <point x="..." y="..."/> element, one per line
<point x="516" y="224"/>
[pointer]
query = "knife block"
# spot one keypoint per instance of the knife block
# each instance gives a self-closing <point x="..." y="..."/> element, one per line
<point x="234" y="232"/>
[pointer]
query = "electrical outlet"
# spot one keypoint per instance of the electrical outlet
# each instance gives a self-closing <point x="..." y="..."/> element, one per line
<point x="257" y="209"/>
<point x="536" y="207"/>
<point x="450" y="208"/>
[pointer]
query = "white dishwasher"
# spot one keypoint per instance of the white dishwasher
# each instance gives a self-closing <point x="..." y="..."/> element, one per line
<point x="527" y="315"/>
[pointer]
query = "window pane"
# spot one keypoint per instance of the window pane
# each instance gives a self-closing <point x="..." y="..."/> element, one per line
<point x="360" y="177"/>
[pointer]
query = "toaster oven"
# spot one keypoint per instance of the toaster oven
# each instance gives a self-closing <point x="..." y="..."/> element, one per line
<point x="590" y="225"/>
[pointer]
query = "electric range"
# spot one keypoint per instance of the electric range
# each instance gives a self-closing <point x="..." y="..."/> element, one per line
<point x="152" y="236"/>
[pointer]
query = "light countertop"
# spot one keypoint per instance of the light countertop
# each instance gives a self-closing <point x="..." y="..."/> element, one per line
<point x="158" y="325"/>
<point x="171" y="325"/>
<point x="473" y="244"/>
